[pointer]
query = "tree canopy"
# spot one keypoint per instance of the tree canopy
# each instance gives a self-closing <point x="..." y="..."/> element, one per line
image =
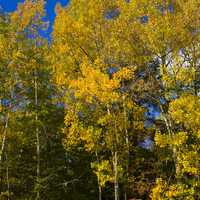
<point x="109" y="109"/>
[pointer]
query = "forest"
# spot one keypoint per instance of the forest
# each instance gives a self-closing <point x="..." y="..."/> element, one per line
<point x="108" y="108"/>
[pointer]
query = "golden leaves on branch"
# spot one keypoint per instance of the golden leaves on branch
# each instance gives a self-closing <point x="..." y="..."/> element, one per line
<point x="27" y="13"/>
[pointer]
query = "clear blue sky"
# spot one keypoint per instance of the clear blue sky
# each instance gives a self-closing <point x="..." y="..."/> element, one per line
<point x="10" y="5"/>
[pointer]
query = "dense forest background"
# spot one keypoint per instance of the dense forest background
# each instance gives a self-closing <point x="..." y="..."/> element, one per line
<point x="109" y="108"/>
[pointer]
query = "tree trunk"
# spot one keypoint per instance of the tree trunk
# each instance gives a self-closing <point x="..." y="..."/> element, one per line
<point x="4" y="138"/>
<point x="37" y="135"/>
<point x="99" y="185"/>
<point x="127" y="145"/>
<point x="100" y="192"/>
<point x="3" y="147"/>
<point x="116" y="184"/>
<point x="7" y="179"/>
<point x="115" y="159"/>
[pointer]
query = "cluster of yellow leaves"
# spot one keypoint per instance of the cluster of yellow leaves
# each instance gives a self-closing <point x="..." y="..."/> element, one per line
<point x="73" y="132"/>
<point x="125" y="73"/>
<point x="76" y="132"/>
<point x="163" y="25"/>
<point x="190" y="161"/>
<point x="176" y="75"/>
<point x="186" y="110"/>
<point x="94" y="84"/>
<point x="157" y="191"/>
<point x="103" y="170"/>
<point x="2" y="46"/>
<point x="179" y="191"/>
<point x="91" y="138"/>
<point x="72" y="136"/>
<point x="164" y="140"/>
<point x="26" y="13"/>
<point x="164" y="191"/>
<point x="104" y="120"/>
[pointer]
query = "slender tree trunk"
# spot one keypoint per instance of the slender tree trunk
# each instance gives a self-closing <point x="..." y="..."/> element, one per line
<point x="3" y="145"/>
<point x="115" y="164"/>
<point x="37" y="135"/>
<point x="4" y="138"/>
<point x="116" y="184"/>
<point x="100" y="192"/>
<point x="171" y="133"/>
<point x="38" y="161"/>
<point x="127" y="145"/>
<point x="7" y="179"/>
<point x="99" y="185"/>
<point x="115" y="159"/>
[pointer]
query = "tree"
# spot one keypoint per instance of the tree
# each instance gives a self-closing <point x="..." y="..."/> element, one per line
<point x="27" y="109"/>
<point x="84" y="68"/>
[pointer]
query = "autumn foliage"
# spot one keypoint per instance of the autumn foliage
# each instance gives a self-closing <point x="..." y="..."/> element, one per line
<point x="109" y="109"/>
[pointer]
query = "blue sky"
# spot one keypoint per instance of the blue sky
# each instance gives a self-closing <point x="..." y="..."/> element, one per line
<point x="10" y="5"/>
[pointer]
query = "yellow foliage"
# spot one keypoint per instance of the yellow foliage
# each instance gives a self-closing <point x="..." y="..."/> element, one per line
<point x="126" y="73"/>
<point x="158" y="190"/>
<point x="186" y="110"/>
<point x="177" y="139"/>
<point x="174" y="75"/>
<point x="103" y="170"/>
<point x="27" y="13"/>
<point x="95" y="84"/>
